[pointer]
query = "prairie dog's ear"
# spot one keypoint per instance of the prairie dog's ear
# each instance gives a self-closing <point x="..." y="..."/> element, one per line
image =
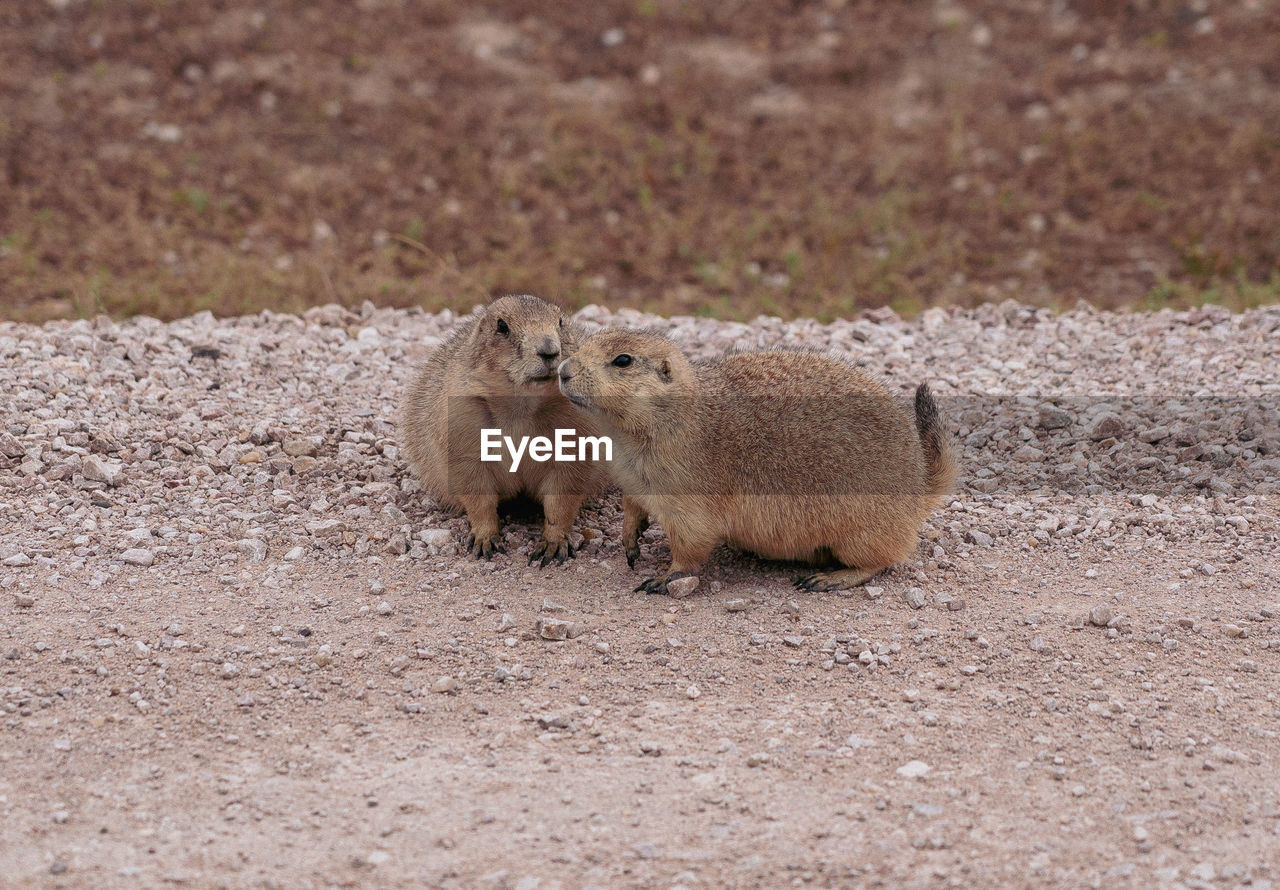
<point x="664" y="370"/>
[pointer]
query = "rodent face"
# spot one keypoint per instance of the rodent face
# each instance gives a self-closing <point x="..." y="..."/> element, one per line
<point x="517" y="344"/>
<point x="634" y="380"/>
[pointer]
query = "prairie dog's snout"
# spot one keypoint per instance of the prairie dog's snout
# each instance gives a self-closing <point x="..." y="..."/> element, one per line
<point x="549" y="352"/>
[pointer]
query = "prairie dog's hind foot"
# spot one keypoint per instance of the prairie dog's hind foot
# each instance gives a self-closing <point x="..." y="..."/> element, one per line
<point x="659" y="585"/>
<point x="838" y="579"/>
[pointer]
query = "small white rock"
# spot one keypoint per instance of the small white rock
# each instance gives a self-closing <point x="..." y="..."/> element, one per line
<point x="138" y="556"/>
<point x="97" y="470"/>
<point x="914" y="769"/>
<point x="682" y="587"/>
<point x="254" y="548"/>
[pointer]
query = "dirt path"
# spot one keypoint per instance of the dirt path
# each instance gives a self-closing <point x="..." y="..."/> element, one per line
<point x="373" y="709"/>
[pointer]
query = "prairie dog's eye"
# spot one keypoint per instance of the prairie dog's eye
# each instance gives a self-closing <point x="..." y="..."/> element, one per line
<point x="621" y="361"/>
<point x="502" y="328"/>
<point x="562" y="321"/>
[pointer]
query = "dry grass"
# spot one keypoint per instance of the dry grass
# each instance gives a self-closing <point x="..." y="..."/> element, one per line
<point x="810" y="160"/>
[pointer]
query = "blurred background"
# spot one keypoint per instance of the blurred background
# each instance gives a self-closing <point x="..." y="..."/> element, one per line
<point x="713" y="157"/>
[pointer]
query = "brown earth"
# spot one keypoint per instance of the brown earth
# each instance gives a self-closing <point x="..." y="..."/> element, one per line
<point x="1079" y="763"/>
<point x="788" y="158"/>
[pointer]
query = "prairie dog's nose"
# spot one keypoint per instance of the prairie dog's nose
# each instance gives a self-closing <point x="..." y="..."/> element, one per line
<point x="566" y="371"/>
<point x="548" y="350"/>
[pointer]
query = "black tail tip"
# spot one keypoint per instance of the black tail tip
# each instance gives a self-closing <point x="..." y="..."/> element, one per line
<point x="925" y="406"/>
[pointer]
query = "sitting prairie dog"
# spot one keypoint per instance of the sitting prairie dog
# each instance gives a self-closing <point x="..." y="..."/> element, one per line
<point x="789" y="454"/>
<point x="497" y="371"/>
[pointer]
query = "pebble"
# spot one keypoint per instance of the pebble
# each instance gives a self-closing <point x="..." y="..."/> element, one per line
<point x="1203" y="871"/>
<point x="306" y="447"/>
<point x="914" y="769"/>
<point x="254" y="548"/>
<point x="138" y="556"/>
<point x="24" y="600"/>
<point x="1051" y="417"/>
<point x="436" y="537"/>
<point x="553" y="628"/>
<point x="445" y="685"/>
<point x="18" y="560"/>
<point x="1108" y="426"/>
<point x="682" y="587"/>
<point x="915" y="597"/>
<point x="1100" y="615"/>
<point x="97" y="470"/>
<point x="736" y="605"/>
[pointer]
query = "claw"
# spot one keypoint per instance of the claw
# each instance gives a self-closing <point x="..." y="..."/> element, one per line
<point x="653" y="585"/>
<point x="633" y="553"/>
<point x="484" y="548"/>
<point x="814" y="583"/>
<point x="549" y="550"/>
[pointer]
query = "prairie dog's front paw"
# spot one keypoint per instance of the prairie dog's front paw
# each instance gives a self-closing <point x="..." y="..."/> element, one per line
<point x="483" y="546"/>
<point x="552" y="550"/>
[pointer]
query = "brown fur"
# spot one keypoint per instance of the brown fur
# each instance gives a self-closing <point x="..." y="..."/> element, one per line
<point x="791" y="455"/>
<point x="483" y="378"/>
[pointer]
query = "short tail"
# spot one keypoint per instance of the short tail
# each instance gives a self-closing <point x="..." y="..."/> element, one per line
<point x="939" y="452"/>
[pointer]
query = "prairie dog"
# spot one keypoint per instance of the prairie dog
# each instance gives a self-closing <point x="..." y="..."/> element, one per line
<point x="497" y="371"/>
<point x="789" y="454"/>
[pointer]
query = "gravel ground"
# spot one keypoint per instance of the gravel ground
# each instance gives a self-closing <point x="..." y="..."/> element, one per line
<point x="240" y="649"/>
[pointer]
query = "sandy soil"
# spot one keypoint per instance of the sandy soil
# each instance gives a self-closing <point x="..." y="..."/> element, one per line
<point x="369" y="710"/>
